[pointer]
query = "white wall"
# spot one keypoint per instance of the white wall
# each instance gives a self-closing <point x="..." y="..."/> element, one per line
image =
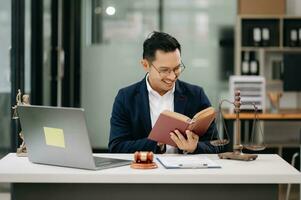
<point x="293" y="7"/>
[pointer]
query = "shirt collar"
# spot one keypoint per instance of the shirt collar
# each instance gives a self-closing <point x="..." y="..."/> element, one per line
<point x="152" y="91"/>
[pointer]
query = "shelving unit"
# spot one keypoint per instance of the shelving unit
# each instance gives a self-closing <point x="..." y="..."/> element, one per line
<point x="279" y="27"/>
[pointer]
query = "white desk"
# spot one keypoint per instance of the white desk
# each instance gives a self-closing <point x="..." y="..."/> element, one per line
<point x="236" y="179"/>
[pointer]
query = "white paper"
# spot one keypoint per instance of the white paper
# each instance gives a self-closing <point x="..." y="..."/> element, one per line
<point x="187" y="161"/>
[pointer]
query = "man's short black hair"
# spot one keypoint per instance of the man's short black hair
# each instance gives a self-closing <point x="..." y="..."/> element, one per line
<point x="159" y="41"/>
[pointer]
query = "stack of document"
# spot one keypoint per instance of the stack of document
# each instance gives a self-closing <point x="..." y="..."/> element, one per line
<point x="187" y="162"/>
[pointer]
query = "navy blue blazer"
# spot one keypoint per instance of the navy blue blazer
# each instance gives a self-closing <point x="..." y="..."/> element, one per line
<point x="131" y="122"/>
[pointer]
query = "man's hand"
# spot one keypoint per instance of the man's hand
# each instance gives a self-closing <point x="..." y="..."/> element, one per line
<point x="189" y="144"/>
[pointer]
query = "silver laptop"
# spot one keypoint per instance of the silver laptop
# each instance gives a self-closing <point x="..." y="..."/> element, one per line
<point x="59" y="136"/>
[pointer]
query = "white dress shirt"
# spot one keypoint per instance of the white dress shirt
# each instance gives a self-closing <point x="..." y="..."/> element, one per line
<point x="157" y="104"/>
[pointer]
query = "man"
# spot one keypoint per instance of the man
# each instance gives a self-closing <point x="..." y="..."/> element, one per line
<point x="137" y="107"/>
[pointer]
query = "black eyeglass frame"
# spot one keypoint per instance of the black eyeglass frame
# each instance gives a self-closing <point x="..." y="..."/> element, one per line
<point x="181" y="68"/>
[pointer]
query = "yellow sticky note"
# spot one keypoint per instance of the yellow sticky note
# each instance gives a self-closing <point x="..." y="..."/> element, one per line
<point x="54" y="137"/>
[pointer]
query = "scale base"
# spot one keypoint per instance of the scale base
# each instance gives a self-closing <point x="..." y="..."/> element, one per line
<point x="237" y="156"/>
<point x="21" y="152"/>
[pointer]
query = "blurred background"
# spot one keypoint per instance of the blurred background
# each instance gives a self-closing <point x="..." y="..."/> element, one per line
<point x="79" y="53"/>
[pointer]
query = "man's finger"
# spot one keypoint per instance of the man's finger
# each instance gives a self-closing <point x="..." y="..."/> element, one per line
<point x="180" y="136"/>
<point x="192" y="135"/>
<point x="175" y="138"/>
<point x="189" y="135"/>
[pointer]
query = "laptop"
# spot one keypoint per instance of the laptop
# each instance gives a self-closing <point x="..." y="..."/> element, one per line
<point x="59" y="136"/>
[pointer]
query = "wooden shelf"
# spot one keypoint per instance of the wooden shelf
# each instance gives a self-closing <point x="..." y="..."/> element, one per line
<point x="271" y="82"/>
<point x="264" y="17"/>
<point x="291" y="17"/>
<point x="272" y="49"/>
<point x="284" y="114"/>
<point x="261" y="17"/>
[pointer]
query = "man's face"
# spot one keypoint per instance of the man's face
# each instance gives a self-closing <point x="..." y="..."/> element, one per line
<point x="163" y="71"/>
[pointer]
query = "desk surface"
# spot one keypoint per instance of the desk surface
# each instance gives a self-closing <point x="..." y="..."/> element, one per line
<point x="284" y="114"/>
<point x="268" y="168"/>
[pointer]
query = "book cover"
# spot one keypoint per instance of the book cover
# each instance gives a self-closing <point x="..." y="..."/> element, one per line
<point x="169" y="121"/>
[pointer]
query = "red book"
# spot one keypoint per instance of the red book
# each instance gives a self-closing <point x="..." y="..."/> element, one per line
<point x="169" y="121"/>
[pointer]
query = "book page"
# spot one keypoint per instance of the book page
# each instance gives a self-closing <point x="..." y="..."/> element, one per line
<point x="202" y="120"/>
<point x="187" y="161"/>
<point x="176" y="115"/>
<point x="203" y="113"/>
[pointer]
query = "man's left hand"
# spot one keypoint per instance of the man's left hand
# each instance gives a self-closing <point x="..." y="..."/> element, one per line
<point x="189" y="144"/>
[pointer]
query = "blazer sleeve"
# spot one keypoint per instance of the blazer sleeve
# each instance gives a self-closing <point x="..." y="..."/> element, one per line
<point x="204" y="145"/>
<point x="121" y="138"/>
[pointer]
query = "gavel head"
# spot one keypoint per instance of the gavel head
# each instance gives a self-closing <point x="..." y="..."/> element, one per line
<point x="143" y="157"/>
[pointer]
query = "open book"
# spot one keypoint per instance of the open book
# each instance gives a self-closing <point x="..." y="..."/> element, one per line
<point x="169" y="121"/>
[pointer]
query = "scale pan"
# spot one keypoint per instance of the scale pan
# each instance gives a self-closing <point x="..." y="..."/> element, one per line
<point x="254" y="147"/>
<point x="219" y="142"/>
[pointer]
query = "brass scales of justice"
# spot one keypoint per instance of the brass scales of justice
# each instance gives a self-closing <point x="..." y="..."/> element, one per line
<point x="237" y="153"/>
<point x="20" y="100"/>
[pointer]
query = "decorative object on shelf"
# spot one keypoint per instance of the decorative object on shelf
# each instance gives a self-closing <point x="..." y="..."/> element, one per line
<point x="245" y="64"/>
<point x="249" y="64"/>
<point x="237" y="153"/>
<point x="253" y="90"/>
<point x="265" y="36"/>
<point x="143" y="160"/>
<point x="274" y="98"/>
<point x="256" y="36"/>
<point x="21" y="151"/>
<point x="254" y="64"/>
<point x="258" y="32"/>
<point x="293" y="37"/>
<point x="292" y="31"/>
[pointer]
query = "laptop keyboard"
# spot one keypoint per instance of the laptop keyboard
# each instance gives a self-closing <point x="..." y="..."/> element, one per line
<point x="100" y="161"/>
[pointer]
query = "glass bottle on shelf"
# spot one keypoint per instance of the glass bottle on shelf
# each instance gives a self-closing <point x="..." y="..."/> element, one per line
<point x="256" y="36"/>
<point x="245" y="65"/>
<point x="265" y="36"/>
<point x="293" y="37"/>
<point x="254" y="64"/>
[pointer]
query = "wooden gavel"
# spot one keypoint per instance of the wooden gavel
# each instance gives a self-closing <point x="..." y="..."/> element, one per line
<point x="143" y="157"/>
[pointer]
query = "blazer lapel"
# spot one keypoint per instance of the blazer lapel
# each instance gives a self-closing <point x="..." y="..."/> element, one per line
<point x="180" y="99"/>
<point x="143" y="103"/>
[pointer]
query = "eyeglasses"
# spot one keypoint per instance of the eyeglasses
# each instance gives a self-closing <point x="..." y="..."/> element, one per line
<point x="164" y="71"/>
